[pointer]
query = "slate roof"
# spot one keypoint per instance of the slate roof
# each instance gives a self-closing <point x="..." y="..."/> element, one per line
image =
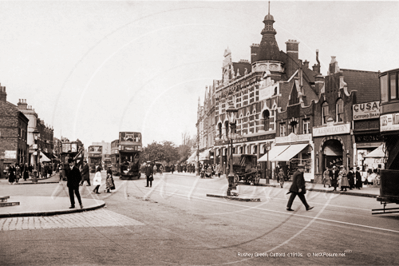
<point x="366" y="83"/>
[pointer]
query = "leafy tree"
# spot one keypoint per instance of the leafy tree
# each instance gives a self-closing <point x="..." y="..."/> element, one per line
<point x="164" y="152"/>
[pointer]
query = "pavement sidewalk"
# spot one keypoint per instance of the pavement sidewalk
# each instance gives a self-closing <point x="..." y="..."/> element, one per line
<point x="366" y="191"/>
<point x="44" y="198"/>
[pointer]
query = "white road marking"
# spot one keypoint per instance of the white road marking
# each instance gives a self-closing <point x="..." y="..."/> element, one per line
<point x="257" y="207"/>
<point x="98" y="218"/>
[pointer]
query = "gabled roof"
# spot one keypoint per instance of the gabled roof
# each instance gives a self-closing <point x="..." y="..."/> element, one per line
<point x="366" y="83"/>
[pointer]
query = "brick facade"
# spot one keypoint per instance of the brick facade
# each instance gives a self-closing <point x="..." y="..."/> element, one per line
<point x="13" y="133"/>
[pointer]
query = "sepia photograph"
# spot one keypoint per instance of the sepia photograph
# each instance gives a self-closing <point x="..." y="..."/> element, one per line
<point x="199" y="132"/>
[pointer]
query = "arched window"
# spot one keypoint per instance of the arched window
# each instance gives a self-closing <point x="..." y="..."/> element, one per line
<point x="324" y="112"/>
<point x="340" y="110"/>
<point x="266" y="120"/>
<point x="226" y="126"/>
<point x="220" y="130"/>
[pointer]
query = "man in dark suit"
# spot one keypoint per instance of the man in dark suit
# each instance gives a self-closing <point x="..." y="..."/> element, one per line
<point x="298" y="188"/>
<point x="334" y="177"/>
<point x="85" y="173"/>
<point x="149" y="174"/>
<point x="73" y="179"/>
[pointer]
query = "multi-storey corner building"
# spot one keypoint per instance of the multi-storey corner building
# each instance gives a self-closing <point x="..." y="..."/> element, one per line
<point x="260" y="90"/>
<point x="13" y="133"/>
<point x="44" y="139"/>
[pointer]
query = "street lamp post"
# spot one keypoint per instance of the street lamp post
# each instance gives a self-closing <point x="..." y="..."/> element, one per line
<point x="36" y="135"/>
<point x="231" y="112"/>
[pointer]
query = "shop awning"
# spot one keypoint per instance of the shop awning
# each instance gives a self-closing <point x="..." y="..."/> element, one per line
<point x="274" y="152"/>
<point x="204" y="155"/>
<point x="192" y="158"/>
<point x="332" y="151"/>
<point x="377" y="153"/>
<point x="44" y="158"/>
<point x="292" y="151"/>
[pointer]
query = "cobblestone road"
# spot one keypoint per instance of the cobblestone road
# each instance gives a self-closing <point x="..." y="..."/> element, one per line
<point x="97" y="218"/>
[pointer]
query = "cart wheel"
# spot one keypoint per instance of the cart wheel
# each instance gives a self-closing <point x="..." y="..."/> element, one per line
<point x="256" y="180"/>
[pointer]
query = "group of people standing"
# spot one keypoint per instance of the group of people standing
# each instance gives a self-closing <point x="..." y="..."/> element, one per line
<point x="15" y="172"/>
<point x="342" y="178"/>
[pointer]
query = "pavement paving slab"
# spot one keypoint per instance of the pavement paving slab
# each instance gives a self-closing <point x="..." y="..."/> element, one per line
<point x="45" y="206"/>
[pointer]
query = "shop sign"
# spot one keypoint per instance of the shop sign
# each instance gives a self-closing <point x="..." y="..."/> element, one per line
<point x="262" y="137"/>
<point x="389" y="122"/>
<point x="66" y="147"/>
<point x="293" y="138"/>
<point x="368" y="138"/>
<point x="366" y="110"/>
<point x="10" y="154"/>
<point x="268" y="91"/>
<point x="332" y="130"/>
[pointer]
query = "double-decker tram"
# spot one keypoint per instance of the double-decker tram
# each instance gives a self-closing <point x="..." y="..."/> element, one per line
<point x="115" y="157"/>
<point x="107" y="161"/>
<point x="125" y="155"/>
<point x="94" y="157"/>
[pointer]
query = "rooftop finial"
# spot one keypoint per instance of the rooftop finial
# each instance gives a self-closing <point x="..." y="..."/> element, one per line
<point x="269" y="7"/>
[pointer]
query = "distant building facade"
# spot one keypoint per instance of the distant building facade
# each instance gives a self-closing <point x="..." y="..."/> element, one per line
<point x="13" y="133"/>
<point x="44" y="140"/>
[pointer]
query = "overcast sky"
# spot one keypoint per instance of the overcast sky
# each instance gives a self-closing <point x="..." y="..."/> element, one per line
<point x="93" y="68"/>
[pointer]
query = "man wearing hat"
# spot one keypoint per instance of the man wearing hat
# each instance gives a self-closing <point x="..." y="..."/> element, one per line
<point x="149" y="174"/>
<point x="298" y="188"/>
<point x="73" y="179"/>
<point x="85" y="173"/>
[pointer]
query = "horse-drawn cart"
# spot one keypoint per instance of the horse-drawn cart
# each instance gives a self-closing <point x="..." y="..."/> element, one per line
<point x="389" y="191"/>
<point x="245" y="168"/>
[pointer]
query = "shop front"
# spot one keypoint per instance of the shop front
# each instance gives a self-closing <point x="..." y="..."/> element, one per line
<point x="333" y="147"/>
<point x="367" y="137"/>
<point x="290" y="151"/>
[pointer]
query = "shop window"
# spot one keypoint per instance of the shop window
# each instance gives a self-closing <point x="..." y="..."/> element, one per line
<point x="306" y="126"/>
<point x="324" y="112"/>
<point x="384" y="88"/>
<point x="340" y="110"/>
<point x="393" y="86"/>
<point x="293" y="127"/>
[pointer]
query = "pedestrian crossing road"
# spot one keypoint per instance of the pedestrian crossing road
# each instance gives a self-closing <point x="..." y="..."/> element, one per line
<point x="98" y="218"/>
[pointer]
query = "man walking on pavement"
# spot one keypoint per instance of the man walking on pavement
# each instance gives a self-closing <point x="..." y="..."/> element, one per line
<point x="298" y="188"/>
<point x="85" y="173"/>
<point x="149" y="174"/>
<point x="73" y="179"/>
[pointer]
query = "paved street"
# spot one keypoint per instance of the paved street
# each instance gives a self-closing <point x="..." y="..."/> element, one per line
<point x="175" y="223"/>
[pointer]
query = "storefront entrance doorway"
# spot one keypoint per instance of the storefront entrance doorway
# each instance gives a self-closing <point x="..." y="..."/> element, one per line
<point x="332" y="154"/>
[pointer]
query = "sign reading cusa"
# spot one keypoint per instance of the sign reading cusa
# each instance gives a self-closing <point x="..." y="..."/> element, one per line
<point x="366" y="110"/>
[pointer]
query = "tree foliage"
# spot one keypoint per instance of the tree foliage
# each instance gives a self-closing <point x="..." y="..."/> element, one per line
<point x="163" y="152"/>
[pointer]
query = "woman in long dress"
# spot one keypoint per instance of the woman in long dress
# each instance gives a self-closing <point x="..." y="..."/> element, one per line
<point x="110" y="181"/>
<point x="97" y="180"/>
<point x="343" y="178"/>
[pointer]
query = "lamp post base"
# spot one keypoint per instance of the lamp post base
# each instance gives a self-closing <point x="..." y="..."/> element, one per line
<point x="230" y="187"/>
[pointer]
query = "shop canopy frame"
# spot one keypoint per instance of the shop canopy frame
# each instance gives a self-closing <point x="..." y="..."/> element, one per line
<point x="274" y="152"/>
<point x="290" y="152"/>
